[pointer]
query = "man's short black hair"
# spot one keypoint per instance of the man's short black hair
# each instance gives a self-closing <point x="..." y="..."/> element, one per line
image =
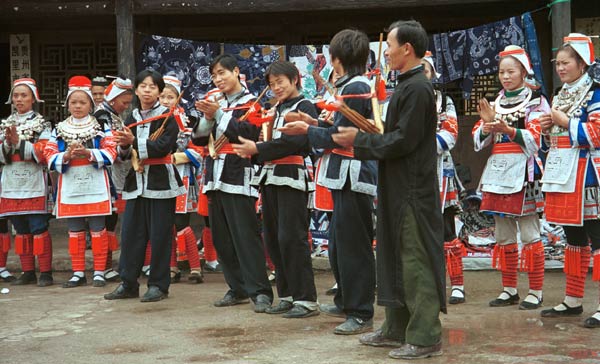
<point x="411" y="31"/>
<point x="226" y="61"/>
<point x="156" y="77"/>
<point x="351" y="48"/>
<point x="284" y="68"/>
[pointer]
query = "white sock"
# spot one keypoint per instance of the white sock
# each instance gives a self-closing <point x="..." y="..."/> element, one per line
<point x="533" y="299"/>
<point x="213" y="263"/>
<point x="569" y="301"/>
<point x="110" y="273"/>
<point x="4" y="273"/>
<point x="456" y="293"/>
<point x="511" y="290"/>
<point x="597" y="314"/>
<point x="77" y="276"/>
<point x="98" y="275"/>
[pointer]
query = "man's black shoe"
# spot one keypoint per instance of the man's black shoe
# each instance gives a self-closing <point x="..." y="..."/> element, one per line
<point x="282" y="307"/>
<point x="230" y="300"/>
<point x="121" y="293"/>
<point x="331" y="310"/>
<point x="409" y="351"/>
<point x="154" y="294"/>
<point x="261" y="303"/>
<point x="353" y="326"/>
<point x="299" y="311"/>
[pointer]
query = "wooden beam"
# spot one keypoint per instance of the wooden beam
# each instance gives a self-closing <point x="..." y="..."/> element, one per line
<point x="149" y="7"/>
<point x="561" y="27"/>
<point x="59" y="8"/>
<point x="54" y="8"/>
<point x="125" y="33"/>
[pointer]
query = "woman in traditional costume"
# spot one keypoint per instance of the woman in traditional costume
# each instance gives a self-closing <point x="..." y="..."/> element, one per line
<point x="187" y="160"/>
<point x="447" y="132"/>
<point x="24" y="185"/>
<point x="117" y="98"/>
<point x="80" y="150"/>
<point x="510" y="181"/>
<point x="570" y="180"/>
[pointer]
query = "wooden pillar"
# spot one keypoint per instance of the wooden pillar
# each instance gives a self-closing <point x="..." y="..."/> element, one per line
<point x="125" y="53"/>
<point x="561" y="27"/>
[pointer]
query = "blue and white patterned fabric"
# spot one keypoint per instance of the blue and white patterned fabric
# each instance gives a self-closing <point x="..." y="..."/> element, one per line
<point x="185" y="59"/>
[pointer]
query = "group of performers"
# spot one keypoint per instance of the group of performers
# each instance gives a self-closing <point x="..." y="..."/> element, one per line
<point x="159" y="166"/>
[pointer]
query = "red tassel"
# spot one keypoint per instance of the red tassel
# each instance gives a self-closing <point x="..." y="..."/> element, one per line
<point x="596" y="271"/>
<point x="5" y="242"/>
<point x="99" y="242"/>
<point x="449" y="264"/>
<point x="23" y="244"/>
<point x="181" y="241"/>
<point x="76" y="238"/>
<point x="573" y="261"/>
<point x="113" y="242"/>
<point x="381" y="92"/>
<point x="39" y="243"/>
<point x="498" y="258"/>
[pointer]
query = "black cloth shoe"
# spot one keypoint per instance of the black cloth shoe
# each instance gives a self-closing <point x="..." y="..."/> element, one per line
<point x="353" y="326"/>
<point x="591" y="322"/>
<point x="72" y="283"/>
<point x="196" y="277"/>
<point x="299" y="311"/>
<point x="111" y="276"/>
<point x="331" y="291"/>
<point x="121" y="293"/>
<point x="377" y="339"/>
<point x="25" y="278"/>
<point x="9" y="278"/>
<point x="230" y="300"/>
<point x="154" y="294"/>
<point x="261" y="303"/>
<point x="526" y="305"/>
<point x="454" y="300"/>
<point x="570" y="311"/>
<point x="282" y="307"/>
<point x="45" y="279"/>
<point x="511" y="300"/>
<point x="175" y="276"/>
<point x="209" y="269"/>
<point x="409" y="351"/>
<point x="98" y="281"/>
<point x="331" y="310"/>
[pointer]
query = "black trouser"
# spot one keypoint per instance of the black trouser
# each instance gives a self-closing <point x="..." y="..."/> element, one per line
<point x="182" y="221"/>
<point x="285" y="230"/>
<point x="237" y="242"/>
<point x="582" y="235"/>
<point x="3" y="226"/>
<point x="111" y="221"/>
<point x="449" y="224"/>
<point x="351" y="252"/>
<point x="147" y="219"/>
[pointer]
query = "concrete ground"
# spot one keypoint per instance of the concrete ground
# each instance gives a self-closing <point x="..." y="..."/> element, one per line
<point x="57" y="325"/>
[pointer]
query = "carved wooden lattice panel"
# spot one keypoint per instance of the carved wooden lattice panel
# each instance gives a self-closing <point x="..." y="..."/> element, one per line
<point x="58" y="62"/>
<point x="483" y="86"/>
